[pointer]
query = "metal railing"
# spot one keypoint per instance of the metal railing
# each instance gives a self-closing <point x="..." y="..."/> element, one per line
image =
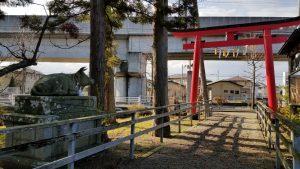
<point x="134" y="100"/>
<point x="280" y="131"/>
<point x="71" y="133"/>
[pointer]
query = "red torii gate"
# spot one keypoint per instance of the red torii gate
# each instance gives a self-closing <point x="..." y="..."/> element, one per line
<point x="230" y="32"/>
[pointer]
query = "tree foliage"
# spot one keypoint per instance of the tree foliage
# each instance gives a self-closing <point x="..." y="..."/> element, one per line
<point x="63" y="15"/>
<point x="60" y="15"/>
<point x="180" y="14"/>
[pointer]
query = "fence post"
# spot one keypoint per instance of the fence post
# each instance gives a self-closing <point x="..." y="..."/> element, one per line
<point x="206" y="110"/>
<point x="258" y="114"/>
<point x="296" y="145"/>
<point x="12" y="99"/>
<point x="265" y="123"/>
<point x="257" y="111"/>
<point x="191" y="113"/>
<point x="277" y="144"/>
<point x="132" y="131"/>
<point x="269" y="136"/>
<point x="162" y="130"/>
<point x="72" y="143"/>
<point x="179" y="122"/>
<point x="98" y="136"/>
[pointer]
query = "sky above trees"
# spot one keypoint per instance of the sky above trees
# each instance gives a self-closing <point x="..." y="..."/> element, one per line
<point x="288" y="8"/>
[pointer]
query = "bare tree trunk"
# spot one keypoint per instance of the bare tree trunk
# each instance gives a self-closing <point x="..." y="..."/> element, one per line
<point x="160" y="65"/>
<point x="97" y="51"/>
<point x="203" y="85"/>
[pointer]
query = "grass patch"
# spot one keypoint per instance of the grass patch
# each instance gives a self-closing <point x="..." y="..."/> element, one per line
<point x="2" y="138"/>
<point x="147" y="141"/>
<point x="141" y="113"/>
<point x="136" y="107"/>
<point x="285" y="111"/>
<point x="6" y="109"/>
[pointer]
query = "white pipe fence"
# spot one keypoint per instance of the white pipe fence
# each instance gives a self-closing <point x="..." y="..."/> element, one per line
<point x="72" y="133"/>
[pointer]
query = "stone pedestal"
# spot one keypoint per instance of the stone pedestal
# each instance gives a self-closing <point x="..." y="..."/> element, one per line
<point x="45" y="109"/>
<point x="55" y="105"/>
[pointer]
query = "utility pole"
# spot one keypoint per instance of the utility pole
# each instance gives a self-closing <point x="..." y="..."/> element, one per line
<point x="298" y="7"/>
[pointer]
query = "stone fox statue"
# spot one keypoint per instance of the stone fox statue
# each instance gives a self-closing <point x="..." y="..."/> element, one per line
<point x="61" y="84"/>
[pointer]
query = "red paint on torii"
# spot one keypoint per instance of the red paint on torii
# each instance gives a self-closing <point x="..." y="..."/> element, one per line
<point x="230" y="31"/>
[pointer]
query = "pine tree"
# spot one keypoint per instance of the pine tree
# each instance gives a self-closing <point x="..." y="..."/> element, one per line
<point x="107" y="15"/>
<point x="161" y="20"/>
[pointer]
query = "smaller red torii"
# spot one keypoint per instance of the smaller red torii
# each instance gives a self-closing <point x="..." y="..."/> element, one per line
<point x="230" y="31"/>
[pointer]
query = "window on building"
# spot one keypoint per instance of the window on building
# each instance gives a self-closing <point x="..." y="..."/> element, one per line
<point x="237" y="92"/>
<point x="232" y="91"/>
<point x="225" y="91"/>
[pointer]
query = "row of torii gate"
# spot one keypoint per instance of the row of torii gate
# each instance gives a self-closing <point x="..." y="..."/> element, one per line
<point x="231" y="32"/>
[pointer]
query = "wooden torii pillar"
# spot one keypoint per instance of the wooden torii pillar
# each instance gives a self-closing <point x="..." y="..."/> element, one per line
<point x="230" y="32"/>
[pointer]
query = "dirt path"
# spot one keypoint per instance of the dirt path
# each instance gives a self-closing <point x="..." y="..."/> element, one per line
<point x="229" y="140"/>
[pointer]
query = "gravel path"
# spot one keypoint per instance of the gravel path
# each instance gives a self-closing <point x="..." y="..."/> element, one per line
<point x="229" y="140"/>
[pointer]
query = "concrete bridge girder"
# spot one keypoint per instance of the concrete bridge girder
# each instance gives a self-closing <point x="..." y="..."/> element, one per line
<point x="132" y="41"/>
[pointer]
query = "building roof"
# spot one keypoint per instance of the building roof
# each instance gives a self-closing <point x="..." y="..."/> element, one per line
<point x="225" y="81"/>
<point x="171" y="81"/>
<point x="291" y="43"/>
<point x="177" y="76"/>
<point x="237" y="78"/>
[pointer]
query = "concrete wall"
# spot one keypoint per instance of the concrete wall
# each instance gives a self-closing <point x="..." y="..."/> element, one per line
<point x="176" y="91"/>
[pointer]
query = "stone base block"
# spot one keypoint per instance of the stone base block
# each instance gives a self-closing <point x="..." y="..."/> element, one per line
<point x="46" y="109"/>
<point x="55" y="105"/>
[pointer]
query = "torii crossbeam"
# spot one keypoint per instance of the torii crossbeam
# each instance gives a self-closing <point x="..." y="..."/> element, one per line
<point x="231" y="39"/>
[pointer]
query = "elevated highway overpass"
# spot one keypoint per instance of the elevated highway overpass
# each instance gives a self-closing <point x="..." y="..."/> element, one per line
<point x="131" y="38"/>
<point x="134" y="43"/>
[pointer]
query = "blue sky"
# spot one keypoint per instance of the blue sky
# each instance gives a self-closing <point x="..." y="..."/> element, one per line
<point x="225" y="69"/>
